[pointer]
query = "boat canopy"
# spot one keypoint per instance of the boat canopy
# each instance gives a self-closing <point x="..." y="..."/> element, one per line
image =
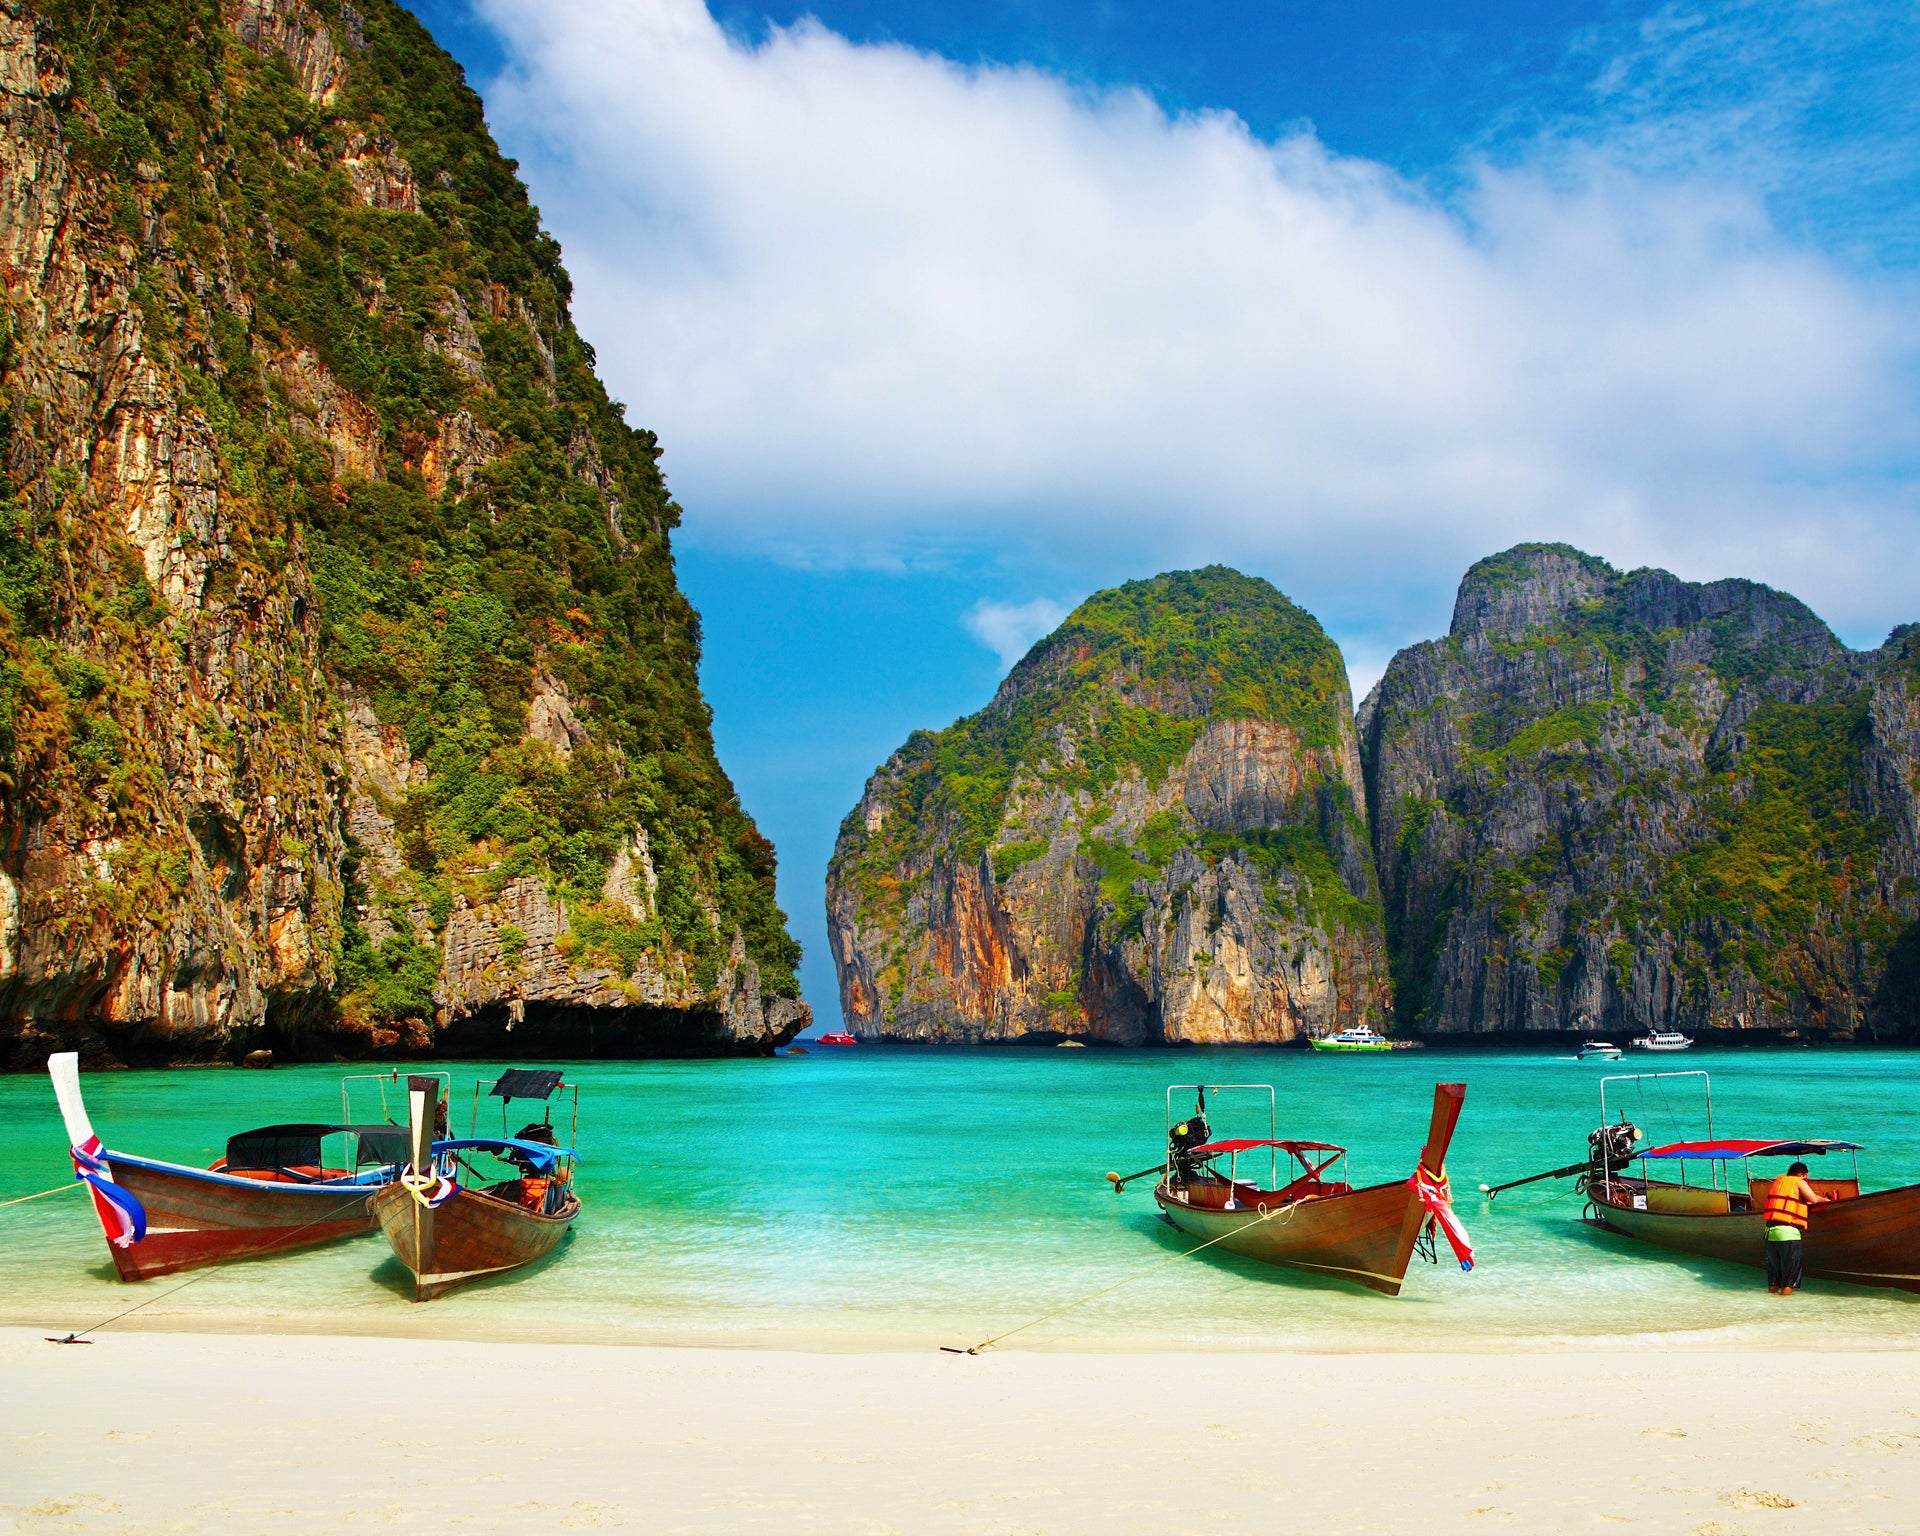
<point x="526" y="1083"/>
<point x="1213" y="1148"/>
<point x="538" y="1153"/>
<point x="1724" y="1151"/>
<point x="298" y="1146"/>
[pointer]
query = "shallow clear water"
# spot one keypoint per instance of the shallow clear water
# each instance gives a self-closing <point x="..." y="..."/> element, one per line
<point x="892" y="1196"/>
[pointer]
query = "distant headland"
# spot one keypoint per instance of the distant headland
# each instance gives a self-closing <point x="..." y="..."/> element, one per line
<point x="1604" y="802"/>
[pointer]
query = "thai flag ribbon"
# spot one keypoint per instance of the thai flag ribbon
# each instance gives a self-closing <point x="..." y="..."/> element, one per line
<point x="1437" y="1196"/>
<point x="122" y="1217"/>
<point x="432" y="1191"/>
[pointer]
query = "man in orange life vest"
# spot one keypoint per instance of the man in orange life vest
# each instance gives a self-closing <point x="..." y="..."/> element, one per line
<point x="1788" y="1198"/>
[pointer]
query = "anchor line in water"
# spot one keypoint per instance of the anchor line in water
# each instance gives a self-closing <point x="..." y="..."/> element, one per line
<point x="245" y="1253"/>
<point x="1285" y="1211"/>
<point x="23" y="1199"/>
<point x="1539" y="1199"/>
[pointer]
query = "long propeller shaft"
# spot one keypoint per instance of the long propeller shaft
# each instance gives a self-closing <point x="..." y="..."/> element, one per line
<point x="1490" y="1190"/>
<point x="1119" y="1183"/>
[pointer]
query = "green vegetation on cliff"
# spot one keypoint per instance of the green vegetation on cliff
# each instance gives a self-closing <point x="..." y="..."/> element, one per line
<point x="1784" y="839"/>
<point x="1084" y="852"/>
<point x="347" y="280"/>
<point x="1623" y="798"/>
<point x="1126" y="683"/>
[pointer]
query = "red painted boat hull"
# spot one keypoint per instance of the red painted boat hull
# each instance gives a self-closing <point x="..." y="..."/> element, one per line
<point x="196" y="1218"/>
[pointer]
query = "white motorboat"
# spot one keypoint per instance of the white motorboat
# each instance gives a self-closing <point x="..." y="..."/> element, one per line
<point x="1663" y="1040"/>
<point x="1598" y="1050"/>
<point x="1359" y="1038"/>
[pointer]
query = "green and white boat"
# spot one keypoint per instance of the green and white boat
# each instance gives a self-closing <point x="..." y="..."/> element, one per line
<point x="1360" y="1038"/>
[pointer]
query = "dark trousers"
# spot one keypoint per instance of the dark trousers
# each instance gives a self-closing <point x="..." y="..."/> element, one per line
<point x="1783" y="1264"/>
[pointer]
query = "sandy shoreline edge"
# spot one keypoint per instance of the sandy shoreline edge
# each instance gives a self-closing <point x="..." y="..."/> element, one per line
<point x="209" y="1432"/>
<point x="428" y="1325"/>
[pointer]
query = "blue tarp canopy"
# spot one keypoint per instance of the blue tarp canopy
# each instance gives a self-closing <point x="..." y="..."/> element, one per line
<point x="541" y="1155"/>
<point x="1727" y="1151"/>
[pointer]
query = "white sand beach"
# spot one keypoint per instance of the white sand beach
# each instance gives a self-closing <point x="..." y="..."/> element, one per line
<point x="156" y="1432"/>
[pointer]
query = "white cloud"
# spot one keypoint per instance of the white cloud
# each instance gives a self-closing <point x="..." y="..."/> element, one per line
<point x="870" y="297"/>
<point x="1010" y="629"/>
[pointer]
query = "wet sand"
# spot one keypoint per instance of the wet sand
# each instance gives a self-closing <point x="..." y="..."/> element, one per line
<point x="155" y="1432"/>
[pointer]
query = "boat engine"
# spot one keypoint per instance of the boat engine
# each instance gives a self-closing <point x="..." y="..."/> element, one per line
<point x="1610" y="1147"/>
<point x="1181" y="1140"/>
<point x="541" y="1134"/>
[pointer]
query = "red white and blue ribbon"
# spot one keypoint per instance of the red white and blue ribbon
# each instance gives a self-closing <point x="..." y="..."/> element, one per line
<point x="431" y="1190"/>
<point x="1436" y="1195"/>
<point x="123" y="1218"/>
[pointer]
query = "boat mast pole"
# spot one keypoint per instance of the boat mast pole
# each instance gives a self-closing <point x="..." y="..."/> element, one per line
<point x="1273" y="1135"/>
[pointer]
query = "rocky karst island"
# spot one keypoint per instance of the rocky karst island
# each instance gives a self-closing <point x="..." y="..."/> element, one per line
<point x="1156" y="832"/>
<point x="1605" y="801"/>
<point x="1616" y="801"/>
<point x="348" y="705"/>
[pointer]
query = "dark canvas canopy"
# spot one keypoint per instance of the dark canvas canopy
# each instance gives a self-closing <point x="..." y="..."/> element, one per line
<point x="526" y="1083"/>
<point x="298" y="1146"/>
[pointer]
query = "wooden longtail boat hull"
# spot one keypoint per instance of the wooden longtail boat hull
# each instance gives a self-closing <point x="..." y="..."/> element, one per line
<point x="196" y="1217"/>
<point x="1365" y="1236"/>
<point x="1866" y="1240"/>
<point x="469" y="1236"/>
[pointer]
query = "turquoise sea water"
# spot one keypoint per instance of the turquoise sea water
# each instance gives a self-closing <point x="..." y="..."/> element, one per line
<point x="907" y="1198"/>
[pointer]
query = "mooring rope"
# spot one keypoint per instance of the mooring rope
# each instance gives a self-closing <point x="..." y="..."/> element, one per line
<point x="23" y="1199"/>
<point x="1531" y="1199"/>
<point x="1286" y="1210"/>
<point x="245" y="1253"/>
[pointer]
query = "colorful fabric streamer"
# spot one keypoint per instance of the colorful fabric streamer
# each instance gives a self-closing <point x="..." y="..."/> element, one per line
<point x="431" y="1190"/>
<point x="1437" y="1196"/>
<point x="122" y="1217"/>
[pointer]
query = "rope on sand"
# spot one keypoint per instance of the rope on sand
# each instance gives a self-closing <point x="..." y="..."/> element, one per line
<point x="1285" y="1211"/>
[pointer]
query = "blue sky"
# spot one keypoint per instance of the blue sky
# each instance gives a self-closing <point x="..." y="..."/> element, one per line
<point x="949" y="314"/>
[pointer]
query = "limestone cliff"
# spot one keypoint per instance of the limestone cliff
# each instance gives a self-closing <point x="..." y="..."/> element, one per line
<point x="347" y="701"/>
<point x="1154" y="833"/>
<point x="1617" y="802"/>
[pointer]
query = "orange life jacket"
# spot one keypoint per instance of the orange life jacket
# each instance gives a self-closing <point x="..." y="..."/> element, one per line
<point x="1785" y="1207"/>
<point x="533" y="1193"/>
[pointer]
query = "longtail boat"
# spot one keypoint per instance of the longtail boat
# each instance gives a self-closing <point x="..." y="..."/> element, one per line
<point x="447" y="1232"/>
<point x="1860" y="1238"/>
<point x="1311" y="1219"/>
<point x="273" y="1191"/>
